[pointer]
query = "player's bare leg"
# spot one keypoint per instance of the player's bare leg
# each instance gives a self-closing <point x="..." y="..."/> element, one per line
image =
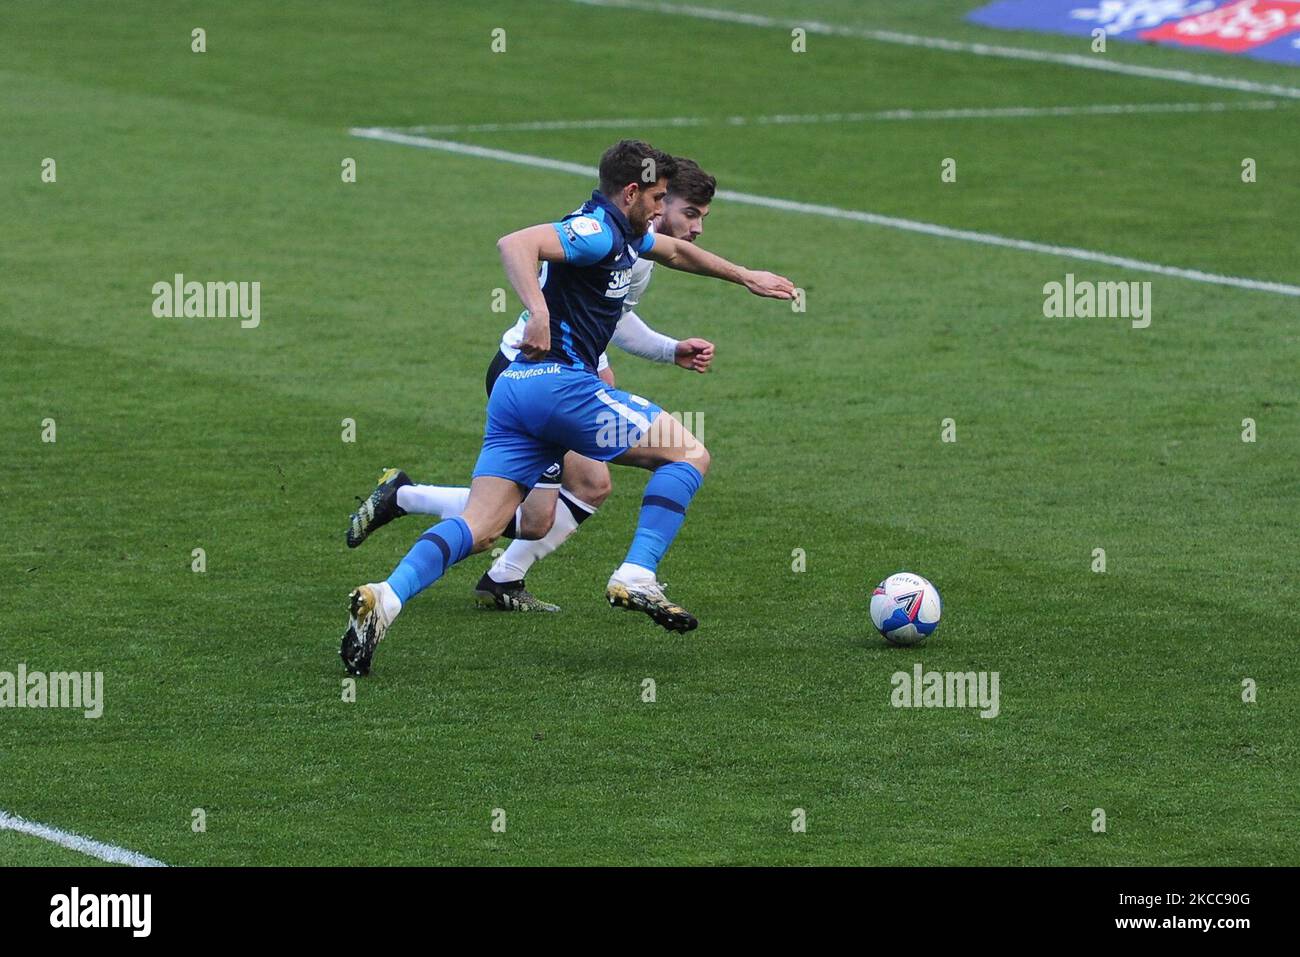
<point x="679" y="462"/>
<point x="373" y="606"/>
<point x="396" y="495"/>
<point x="537" y="514"/>
<point x="587" y="479"/>
<point x="586" y="486"/>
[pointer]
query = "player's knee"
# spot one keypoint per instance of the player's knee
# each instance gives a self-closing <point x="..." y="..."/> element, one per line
<point x="483" y="542"/>
<point x="591" y="489"/>
<point x="698" y="456"/>
<point x="535" y="526"/>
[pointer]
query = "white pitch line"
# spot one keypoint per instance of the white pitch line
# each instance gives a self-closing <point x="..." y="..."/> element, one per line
<point x="84" y="845"/>
<point x="835" y="212"/>
<point x="952" y="46"/>
<point x="467" y="149"/>
<point x="783" y="119"/>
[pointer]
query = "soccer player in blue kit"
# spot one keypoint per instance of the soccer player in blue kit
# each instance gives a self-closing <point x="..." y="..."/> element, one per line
<point x="550" y="400"/>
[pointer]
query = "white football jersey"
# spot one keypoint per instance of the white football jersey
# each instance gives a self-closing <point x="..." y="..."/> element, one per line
<point x="641" y="270"/>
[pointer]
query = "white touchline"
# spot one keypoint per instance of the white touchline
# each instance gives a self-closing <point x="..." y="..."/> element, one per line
<point x="835" y="212"/>
<point x="84" y="845"/>
<point x="786" y="119"/>
<point x="952" y="46"/>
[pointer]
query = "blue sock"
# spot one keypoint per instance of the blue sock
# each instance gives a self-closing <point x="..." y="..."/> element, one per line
<point x="428" y="560"/>
<point x="663" y="509"/>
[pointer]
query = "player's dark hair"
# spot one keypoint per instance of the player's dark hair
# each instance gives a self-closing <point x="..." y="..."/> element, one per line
<point x="632" y="161"/>
<point x="691" y="183"/>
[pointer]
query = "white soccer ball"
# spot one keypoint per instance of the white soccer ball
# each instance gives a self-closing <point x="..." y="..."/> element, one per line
<point x="905" y="608"/>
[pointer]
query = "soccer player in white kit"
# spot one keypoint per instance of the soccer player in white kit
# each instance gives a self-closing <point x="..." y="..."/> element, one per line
<point x="571" y="491"/>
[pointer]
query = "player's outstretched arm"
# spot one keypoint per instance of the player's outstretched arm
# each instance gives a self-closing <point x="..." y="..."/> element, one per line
<point x="688" y="257"/>
<point x="521" y="251"/>
<point x="634" y="336"/>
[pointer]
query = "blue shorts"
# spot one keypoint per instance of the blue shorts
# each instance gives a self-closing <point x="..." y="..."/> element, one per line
<point x="540" y="410"/>
<point x="553" y="477"/>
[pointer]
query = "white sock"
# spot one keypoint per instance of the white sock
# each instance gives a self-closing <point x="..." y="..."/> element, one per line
<point x="445" y="501"/>
<point x="630" y="574"/>
<point x="388" y="599"/>
<point x="513" y="565"/>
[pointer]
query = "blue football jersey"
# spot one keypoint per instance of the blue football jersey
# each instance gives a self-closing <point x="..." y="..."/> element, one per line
<point x="585" y="293"/>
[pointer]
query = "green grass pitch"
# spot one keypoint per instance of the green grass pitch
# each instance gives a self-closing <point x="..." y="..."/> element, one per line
<point x="1119" y="690"/>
